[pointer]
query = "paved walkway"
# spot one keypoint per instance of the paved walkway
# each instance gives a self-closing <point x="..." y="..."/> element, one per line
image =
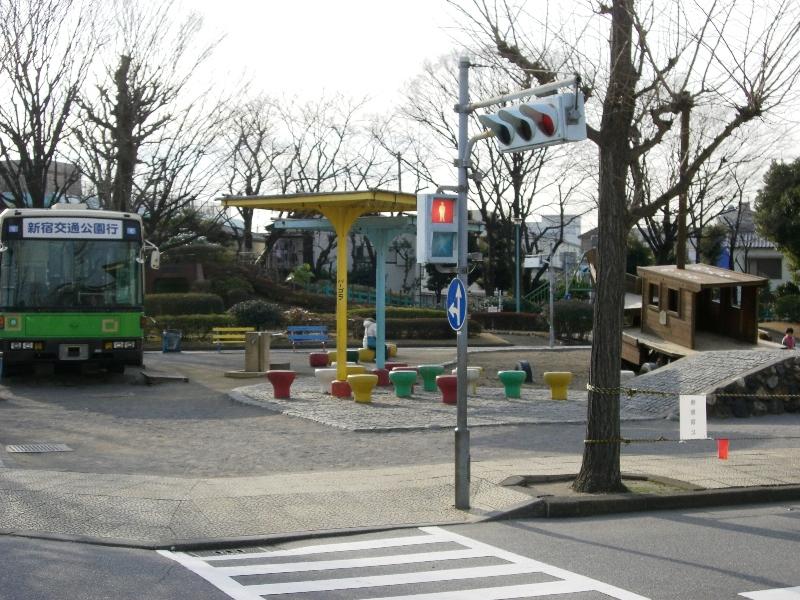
<point x="165" y="511"/>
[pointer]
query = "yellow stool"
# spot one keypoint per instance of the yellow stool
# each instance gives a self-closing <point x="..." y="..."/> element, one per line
<point x="392" y="348"/>
<point x="362" y="386"/>
<point x="559" y="382"/>
<point x="331" y="356"/>
<point x="356" y="370"/>
<point x="366" y="355"/>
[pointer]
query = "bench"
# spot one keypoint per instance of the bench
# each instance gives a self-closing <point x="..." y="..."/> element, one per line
<point x="229" y="335"/>
<point x="298" y="334"/>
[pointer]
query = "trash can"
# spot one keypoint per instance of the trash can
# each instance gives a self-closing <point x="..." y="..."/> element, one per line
<point x="171" y="340"/>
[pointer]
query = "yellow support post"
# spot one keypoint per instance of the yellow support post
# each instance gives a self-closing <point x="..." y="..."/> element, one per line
<point x="342" y="220"/>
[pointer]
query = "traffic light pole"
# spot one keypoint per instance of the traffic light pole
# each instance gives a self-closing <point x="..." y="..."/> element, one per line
<point x="462" y="458"/>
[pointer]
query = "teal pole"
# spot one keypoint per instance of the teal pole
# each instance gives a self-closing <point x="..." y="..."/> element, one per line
<point x="381" y="241"/>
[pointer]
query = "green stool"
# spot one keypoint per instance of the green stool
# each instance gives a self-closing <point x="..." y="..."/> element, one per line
<point x="352" y="356"/>
<point x="512" y="382"/>
<point x="403" y="382"/>
<point x="428" y="374"/>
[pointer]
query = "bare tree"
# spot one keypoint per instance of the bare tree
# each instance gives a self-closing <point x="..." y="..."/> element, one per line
<point x="141" y="88"/>
<point x="46" y="47"/>
<point x="663" y="60"/>
<point x="254" y="155"/>
<point x="511" y="185"/>
<point x="328" y="149"/>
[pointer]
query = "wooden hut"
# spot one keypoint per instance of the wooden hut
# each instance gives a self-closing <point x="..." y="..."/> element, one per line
<point x="700" y="307"/>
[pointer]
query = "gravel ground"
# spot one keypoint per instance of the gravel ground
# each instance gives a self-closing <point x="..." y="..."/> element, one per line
<point x="541" y="360"/>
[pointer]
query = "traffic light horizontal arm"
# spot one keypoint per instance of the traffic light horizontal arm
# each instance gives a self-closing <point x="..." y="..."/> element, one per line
<point x="537" y="91"/>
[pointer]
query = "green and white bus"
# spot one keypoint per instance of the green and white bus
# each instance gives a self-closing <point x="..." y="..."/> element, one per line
<point x="72" y="286"/>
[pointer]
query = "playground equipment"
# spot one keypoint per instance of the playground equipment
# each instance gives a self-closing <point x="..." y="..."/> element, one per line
<point x="362" y="386"/>
<point x="403" y="382"/>
<point x="448" y="384"/>
<point x="559" y="382"/>
<point x="429" y="374"/>
<point x="281" y="383"/>
<point x="512" y="382"/>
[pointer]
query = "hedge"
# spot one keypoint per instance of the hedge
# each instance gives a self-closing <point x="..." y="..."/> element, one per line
<point x="573" y="319"/>
<point x="258" y="313"/>
<point x="196" y="326"/>
<point x="182" y="304"/>
<point x="399" y="312"/>
<point x="425" y="329"/>
<point x="276" y="292"/>
<point x="511" y="321"/>
<point x="787" y="308"/>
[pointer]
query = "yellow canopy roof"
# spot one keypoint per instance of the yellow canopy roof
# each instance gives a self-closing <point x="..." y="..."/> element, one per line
<point x="365" y="201"/>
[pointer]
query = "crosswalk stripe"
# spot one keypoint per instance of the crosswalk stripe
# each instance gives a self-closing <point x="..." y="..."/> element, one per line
<point x="326" y="565"/>
<point x="348" y="583"/>
<point x="507" y="592"/>
<point x="411" y="540"/>
<point x="566" y="582"/>
<point x="792" y="593"/>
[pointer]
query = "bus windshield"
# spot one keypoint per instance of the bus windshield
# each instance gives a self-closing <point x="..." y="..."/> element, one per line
<point x="66" y="274"/>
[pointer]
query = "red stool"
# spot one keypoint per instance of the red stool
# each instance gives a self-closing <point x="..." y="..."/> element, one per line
<point x="447" y="384"/>
<point x="281" y="382"/>
<point x="318" y="359"/>
<point x="389" y="365"/>
<point x="341" y="389"/>
<point x="383" y="377"/>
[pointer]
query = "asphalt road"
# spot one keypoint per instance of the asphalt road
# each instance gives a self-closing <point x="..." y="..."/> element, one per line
<point x="709" y="554"/>
<point x="117" y="424"/>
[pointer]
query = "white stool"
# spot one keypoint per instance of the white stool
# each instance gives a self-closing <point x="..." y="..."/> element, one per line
<point x="325" y="377"/>
<point x="473" y="373"/>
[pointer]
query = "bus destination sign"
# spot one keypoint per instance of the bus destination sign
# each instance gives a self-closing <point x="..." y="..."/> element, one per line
<point x="72" y="228"/>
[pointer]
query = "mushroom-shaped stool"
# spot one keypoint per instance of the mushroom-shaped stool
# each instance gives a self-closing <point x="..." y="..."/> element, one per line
<point x="559" y="382"/>
<point x="281" y="383"/>
<point x="512" y="382"/>
<point x="428" y="374"/>
<point x="325" y="377"/>
<point x="362" y="386"/>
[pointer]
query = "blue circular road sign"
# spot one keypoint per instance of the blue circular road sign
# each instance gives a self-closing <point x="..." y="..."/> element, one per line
<point x="456" y="304"/>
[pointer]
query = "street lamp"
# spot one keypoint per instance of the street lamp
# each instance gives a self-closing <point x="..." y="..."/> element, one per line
<point x="517" y="223"/>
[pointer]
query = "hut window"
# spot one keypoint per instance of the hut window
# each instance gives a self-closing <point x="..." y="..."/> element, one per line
<point x="653" y="294"/>
<point x="715" y="296"/>
<point x="673" y="300"/>
<point x="736" y="297"/>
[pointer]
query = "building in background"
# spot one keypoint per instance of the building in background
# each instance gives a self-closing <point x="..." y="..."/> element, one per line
<point x="63" y="183"/>
<point x="748" y="252"/>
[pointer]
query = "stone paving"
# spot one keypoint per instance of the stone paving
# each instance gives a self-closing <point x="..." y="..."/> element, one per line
<point x="700" y="373"/>
<point x="424" y="410"/>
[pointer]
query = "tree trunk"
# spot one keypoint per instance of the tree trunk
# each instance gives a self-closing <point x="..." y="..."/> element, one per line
<point x="600" y="469"/>
<point x="247" y="217"/>
<point x="124" y="113"/>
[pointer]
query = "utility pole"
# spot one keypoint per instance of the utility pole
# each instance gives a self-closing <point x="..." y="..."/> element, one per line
<point x="462" y="458"/>
<point x="399" y="173"/>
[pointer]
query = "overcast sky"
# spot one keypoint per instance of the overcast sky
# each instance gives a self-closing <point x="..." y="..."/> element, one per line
<point x="357" y="47"/>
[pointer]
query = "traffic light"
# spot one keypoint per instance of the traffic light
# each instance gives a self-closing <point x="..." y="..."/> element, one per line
<point x="437" y="228"/>
<point x="541" y="122"/>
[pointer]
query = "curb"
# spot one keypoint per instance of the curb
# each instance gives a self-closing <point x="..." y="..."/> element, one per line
<point x="561" y="507"/>
<point x="222" y="543"/>
<point x="546" y="507"/>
